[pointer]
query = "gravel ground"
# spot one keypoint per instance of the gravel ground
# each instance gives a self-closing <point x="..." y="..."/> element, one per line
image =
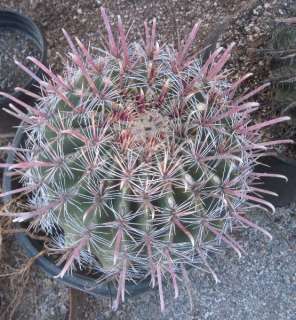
<point x="248" y="23"/>
<point x="259" y="286"/>
<point x="43" y="297"/>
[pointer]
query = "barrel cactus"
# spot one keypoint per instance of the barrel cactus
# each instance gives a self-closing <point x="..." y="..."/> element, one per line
<point x="140" y="159"/>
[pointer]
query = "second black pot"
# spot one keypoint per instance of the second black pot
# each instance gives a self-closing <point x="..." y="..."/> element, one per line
<point x="11" y="20"/>
<point x="285" y="189"/>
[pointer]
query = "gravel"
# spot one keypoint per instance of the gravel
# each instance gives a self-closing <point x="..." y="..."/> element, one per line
<point x="260" y="285"/>
<point x="15" y="44"/>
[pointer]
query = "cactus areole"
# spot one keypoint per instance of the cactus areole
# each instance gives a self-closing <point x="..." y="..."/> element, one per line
<point x="140" y="159"/>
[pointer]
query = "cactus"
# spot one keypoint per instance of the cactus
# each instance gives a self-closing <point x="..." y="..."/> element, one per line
<point x="140" y="160"/>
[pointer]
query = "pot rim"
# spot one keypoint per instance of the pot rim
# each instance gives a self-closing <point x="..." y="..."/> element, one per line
<point x="14" y="20"/>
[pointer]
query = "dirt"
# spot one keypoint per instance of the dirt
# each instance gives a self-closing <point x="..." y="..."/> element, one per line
<point x="15" y="45"/>
<point x="250" y="25"/>
<point x="260" y="285"/>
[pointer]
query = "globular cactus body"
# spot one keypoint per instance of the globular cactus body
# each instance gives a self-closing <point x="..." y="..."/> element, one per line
<point x="141" y="159"/>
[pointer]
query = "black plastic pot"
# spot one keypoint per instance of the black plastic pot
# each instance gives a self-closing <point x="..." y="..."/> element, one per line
<point x="33" y="247"/>
<point x="286" y="190"/>
<point x="16" y="21"/>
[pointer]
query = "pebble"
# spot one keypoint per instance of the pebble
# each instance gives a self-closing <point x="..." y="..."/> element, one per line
<point x="15" y="44"/>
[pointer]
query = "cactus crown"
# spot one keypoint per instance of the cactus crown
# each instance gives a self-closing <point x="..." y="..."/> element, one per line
<point x="142" y="158"/>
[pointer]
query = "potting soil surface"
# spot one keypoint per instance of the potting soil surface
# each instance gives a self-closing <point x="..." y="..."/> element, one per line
<point x="15" y="45"/>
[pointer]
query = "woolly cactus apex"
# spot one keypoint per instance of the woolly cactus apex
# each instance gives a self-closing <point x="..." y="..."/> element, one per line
<point x="141" y="157"/>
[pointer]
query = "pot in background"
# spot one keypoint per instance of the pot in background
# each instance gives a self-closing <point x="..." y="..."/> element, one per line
<point x="285" y="189"/>
<point x="13" y="21"/>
